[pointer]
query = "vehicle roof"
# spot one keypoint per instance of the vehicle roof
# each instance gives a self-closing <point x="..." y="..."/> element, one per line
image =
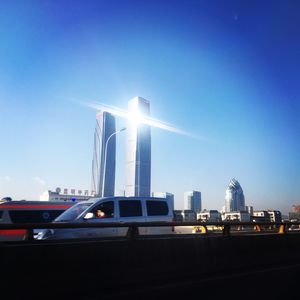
<point x="94" y="200"/>
<point x="35" y="202"/>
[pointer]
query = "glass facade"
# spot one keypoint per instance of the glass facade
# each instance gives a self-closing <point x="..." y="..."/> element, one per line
<point x="105" y="127"/>
<point x="234" y="197"/>
<point x="138" y="150"/>
<point x="192" y="201"/>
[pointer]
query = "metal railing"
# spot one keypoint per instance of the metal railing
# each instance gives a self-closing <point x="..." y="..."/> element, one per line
<point x="206" y="228"/>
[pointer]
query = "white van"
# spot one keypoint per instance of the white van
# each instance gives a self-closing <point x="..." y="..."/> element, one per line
<point x="113" y="209"/>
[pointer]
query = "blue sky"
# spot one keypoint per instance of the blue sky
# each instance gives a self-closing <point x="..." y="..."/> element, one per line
<point x="226" y="71"/>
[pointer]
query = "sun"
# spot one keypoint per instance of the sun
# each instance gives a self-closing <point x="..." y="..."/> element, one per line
<point x="135" y="117"/>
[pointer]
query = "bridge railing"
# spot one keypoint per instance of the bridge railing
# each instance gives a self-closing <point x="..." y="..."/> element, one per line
<point x="206" y="228"/>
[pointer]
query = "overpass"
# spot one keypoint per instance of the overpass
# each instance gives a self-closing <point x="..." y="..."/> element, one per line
<point x="256" y="265"/>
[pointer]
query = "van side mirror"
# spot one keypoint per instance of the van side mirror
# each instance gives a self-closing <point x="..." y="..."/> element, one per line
<point x="88" y="216"/>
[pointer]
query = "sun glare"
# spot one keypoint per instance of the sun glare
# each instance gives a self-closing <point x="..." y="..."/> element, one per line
<point x="135" y="117"/>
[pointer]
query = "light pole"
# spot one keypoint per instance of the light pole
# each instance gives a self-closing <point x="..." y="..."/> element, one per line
<point x="105" y="152"/>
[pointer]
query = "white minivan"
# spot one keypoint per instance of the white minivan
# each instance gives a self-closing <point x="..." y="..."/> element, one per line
<point x="113" y="209"/>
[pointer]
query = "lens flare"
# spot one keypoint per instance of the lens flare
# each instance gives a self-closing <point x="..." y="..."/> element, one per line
<point x="137" y="118"/>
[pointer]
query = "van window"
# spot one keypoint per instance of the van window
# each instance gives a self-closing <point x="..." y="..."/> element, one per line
<point x="73" y="212"/>
<point x="157" y="208"/>
<point x="33" y="216"/>
<point x="105" y="209"/>
<point x="130" y="208"/>
<point x="1" y="213"/>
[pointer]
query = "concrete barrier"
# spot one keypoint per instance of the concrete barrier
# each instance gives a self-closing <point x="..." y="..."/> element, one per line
<point x="82" y="270"/>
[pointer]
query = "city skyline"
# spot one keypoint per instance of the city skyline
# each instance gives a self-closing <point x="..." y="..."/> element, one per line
<point x="227" y="73"/>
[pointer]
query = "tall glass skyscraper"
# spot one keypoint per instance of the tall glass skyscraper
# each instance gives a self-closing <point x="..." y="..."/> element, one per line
<point x="234" y="197"/>
<point x="192" y="201"/>
<point x="138" y="150"/>
<point x="105" y="126"/>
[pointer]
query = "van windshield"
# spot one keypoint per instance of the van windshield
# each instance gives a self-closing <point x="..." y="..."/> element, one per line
<point x="72" y="213"/>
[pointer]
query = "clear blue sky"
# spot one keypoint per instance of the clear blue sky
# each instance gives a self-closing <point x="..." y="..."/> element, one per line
<point x="227" y="71"/>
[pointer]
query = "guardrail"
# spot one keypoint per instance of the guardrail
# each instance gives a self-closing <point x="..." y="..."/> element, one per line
<point x="223" y="228"/>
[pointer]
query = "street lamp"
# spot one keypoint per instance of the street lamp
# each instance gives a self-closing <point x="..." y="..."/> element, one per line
<point x="105" y="152"/>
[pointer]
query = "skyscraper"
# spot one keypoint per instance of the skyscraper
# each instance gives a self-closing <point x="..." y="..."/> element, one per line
<point x="192" y="201"/>
<point x="234" y="197"/>
<point x="105" y="126"/>
<point x="138" y="150"/>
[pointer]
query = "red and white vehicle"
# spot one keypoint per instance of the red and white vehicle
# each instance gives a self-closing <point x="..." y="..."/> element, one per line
<point x="14" y="212"/>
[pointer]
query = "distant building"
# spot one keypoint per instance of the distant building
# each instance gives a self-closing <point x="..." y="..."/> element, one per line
<point x="234" y="197"/>
<point x="192" y="201"/>
<point x="209" y="216"/>
<point x="236" y="216"/>
<point x="58" y="196"/>
<point x="120" y="193"/>
<point x="296" y="208"/>
<point x="178" y="216"/>
<point x="189" y="215"/>
<point x="166" y="195"/>
<point x="261" y="216"/>
<point x="249" y="209"/>
<point x="275" y="216"/>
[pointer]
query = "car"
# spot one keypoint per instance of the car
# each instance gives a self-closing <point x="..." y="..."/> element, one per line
<point x="113" y="209"/>
<point x="294" y="227"/>
<point x="24" y="211"/>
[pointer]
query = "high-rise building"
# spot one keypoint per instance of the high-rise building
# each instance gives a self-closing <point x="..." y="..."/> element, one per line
<point x="104" y="173"/>
<point x="234" y="197"/>
<point x="165" y="195"/>
<point x="138" y="150"/>
<point x="120" y="192"/>
<point x="249" y="209"/>
<point x="192" y="201"/>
